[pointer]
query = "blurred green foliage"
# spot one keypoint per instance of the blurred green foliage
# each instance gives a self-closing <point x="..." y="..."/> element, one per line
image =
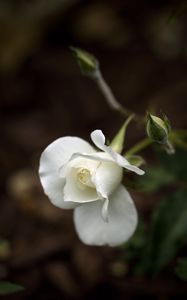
<point x="181" y="268"/>
<point x="5" y="249"/>
<point x="168" y="231"/>
<point x="7" y="288"/>
<point x="171" y="169"/>
<point x="154" y="246"/>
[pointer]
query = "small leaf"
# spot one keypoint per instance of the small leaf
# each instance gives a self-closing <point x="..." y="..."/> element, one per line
<point x="7" y="288"/>
<point x="118" y="141"/>
<point x="181" y="268"/>
<point x="136" y="160"/>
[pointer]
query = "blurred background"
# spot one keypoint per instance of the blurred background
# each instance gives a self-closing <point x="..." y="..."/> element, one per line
<point x="142" y="49"/>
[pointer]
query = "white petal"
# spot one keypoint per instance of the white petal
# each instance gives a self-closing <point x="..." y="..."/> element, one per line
<point x="107" y="178"/>
<point x="134" y="169"/>
<point x="99" y="156"/>
<point x="52" y="159"/>
<point x="73" y="192"/>
<point x="98" y="139"/>
<point x="123" y="162"/>
<point x="110" y="156"/>
<point x="122" y="223"/>
<point x="104" y="211"/>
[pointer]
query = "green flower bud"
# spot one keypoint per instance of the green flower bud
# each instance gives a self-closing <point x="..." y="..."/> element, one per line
<point x="87" y="62"/>
<point x="158" y="129"/>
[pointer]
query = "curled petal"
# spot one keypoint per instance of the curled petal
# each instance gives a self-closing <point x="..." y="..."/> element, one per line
<point x="98" y="156"/>
<point x="98" y="139"/>
<point x="123" y="162"/>
<point x="107" y="178"/>
<point x="55" y="156"/>
<point x="122" y="222"/>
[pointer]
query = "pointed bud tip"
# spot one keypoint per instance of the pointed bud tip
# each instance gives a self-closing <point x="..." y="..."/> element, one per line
<point x="87" y="62"/>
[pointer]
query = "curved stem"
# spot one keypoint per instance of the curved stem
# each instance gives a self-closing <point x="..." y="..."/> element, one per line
<point x="169" y="148"/>
<point x="110" y="98"/>
<point x="139" y="146"/>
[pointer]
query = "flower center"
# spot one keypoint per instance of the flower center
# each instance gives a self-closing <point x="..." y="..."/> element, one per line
<point x="84" y="177"/>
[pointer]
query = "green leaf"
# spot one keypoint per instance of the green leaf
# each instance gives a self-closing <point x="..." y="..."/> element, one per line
<point x="7" y="288"/>
<point x="118" y="141"/>
<point x="181" y="268"/>
<point x="168" y="233"/>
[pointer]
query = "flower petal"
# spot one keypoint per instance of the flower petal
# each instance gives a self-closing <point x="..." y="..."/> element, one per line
<point x="54" y="157"/>
<point x="98" y="139"/>
<point x="104" y="211"/>
<point x="99" y="156"/>
<point x="107" y="178"/>
<point x="92" y="229"/>
<point x="73" y="192"/>
<point x="123" y="162"/>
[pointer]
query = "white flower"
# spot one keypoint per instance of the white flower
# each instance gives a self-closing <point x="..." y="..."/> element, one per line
<point x="76" y="175"/>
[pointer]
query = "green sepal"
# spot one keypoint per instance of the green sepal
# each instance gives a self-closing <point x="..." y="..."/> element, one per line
<point x="167" y="122"/>
<point x="87" y="62"/>
<point x="118" y="141"/>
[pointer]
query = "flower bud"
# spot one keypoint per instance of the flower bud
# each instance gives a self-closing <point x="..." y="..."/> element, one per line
<point x="87" y="62"/>
<point x="158" y="129"/>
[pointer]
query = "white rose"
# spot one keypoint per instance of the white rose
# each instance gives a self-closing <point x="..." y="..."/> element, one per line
<point x="76" y="175"/>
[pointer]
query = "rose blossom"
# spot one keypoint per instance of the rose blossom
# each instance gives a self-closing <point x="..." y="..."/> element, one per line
<point x="76" y="175"/>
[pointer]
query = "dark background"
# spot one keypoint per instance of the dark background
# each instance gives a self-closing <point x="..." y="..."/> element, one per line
<point x="142" y="49"/>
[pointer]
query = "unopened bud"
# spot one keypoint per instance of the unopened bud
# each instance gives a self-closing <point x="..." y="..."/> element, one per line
<point x="158" y="129"/>
<point x="87" y="62"/>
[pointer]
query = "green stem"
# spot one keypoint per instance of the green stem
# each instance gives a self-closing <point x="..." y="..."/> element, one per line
<point x="139" y="147"/>
<point x="169" y="148"/>
<point x="179" y="132"/>
<point x="111" y="99"/>
<point x="178" y="138"/>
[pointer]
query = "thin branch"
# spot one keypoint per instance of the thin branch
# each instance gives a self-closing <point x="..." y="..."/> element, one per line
<point x="139" y="146"/>
<point x="110" y="98"/>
